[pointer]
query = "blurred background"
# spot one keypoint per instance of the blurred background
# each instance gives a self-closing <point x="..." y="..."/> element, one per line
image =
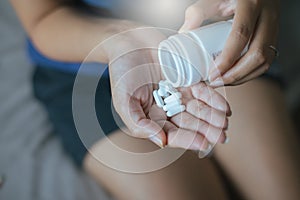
<point x="32" y="162"/>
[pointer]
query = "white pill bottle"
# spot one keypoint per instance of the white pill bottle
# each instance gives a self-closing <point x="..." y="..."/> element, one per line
<point x="187" y="58"/>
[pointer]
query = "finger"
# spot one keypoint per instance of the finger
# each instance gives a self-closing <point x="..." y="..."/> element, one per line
<point x="256" y="73"/>
<point x="205" y="113"/>
<point x="194" y="16"/>
<point x="189" y="122"/>
<point x="181" y="138"/>
<point x="139" y="125"/>
<point x="203" y="10"/>
<point x="259" y="55"/>
<point x="242" y="29"/>
<point x="210" y="97"/>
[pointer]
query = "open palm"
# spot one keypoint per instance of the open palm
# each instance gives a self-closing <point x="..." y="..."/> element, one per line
<point x="203" y="122"/>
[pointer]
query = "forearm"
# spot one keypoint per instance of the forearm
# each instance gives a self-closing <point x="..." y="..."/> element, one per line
<point x="69" y="36"/>
<point x="63" y="33"/>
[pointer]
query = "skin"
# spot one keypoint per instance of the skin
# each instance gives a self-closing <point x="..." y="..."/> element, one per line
<point x="263" y="156"/>
<point x="261" y="160"/>
<point x="255" y="22"/>
<point x="134" y="101"/>
<point x="57" y="30"/>
<point x="186" y="178"/>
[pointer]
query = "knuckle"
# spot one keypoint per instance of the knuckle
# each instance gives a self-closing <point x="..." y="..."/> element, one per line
<point x="260" y="56"/>
<point x="266" y="67"/>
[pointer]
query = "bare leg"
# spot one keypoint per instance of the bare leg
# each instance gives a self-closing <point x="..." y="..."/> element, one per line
<point x="262" y="157"/>
<point x="187" y="178"/>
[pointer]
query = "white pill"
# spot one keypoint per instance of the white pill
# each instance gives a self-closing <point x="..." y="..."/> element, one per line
<point x="171" y="105"/>
<point x="174" y="101"/>
<point x="173" y="97"/>
<point x="163" y="93"/>
<point x="176" y="110"/>
<point x="172" y="90"/>
<point x="159" y="101"/>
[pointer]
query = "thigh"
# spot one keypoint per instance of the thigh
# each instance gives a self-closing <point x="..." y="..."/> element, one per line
<point x="186" y="178"/>
<point x="262" y="157"/>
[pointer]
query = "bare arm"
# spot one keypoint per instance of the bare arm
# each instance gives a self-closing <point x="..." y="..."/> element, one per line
<point x="64" y="33"/>
<point x="256" y="23"/>
<point x="61" y="32"/>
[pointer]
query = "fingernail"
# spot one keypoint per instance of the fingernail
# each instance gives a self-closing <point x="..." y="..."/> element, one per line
<point x="217" y="83"/>
<point x="157" y="141"/>
<point x="185" y="27"/>
<point x="227" y="140"/>
<point x="206" y="152"/>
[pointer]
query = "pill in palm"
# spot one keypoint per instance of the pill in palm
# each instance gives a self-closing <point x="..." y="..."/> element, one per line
<point x="173" y="97"/>
<point x="159" y="101"/>
<point x="163" y="93"/>
<point x="172" y="90"/>
<point x="168" y="98"/>
<point x="171" y="105"/>
<point x="175" y="110"/>
<point x="163" y="89"/>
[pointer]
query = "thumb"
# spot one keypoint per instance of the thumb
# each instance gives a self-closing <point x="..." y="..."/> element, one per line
<point x="139" y="125"/>
<point x="194" y="16"/>
<point x="154" y="132"/>
<point x="206" y="9"/>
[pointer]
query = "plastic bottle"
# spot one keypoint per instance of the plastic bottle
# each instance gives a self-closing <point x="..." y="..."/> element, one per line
<point x="187" y="58"/>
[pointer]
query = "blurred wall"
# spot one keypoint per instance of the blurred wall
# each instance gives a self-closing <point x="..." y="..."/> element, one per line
<point x="289" y="44"/>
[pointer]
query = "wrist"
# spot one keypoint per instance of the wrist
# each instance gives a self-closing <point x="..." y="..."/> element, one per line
<point x="112" y="43"/>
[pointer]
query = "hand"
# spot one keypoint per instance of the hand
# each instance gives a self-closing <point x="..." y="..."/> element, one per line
<point x="214" y="10"/>
<point x="255" y="22"/>
<point x="134" y="73"/>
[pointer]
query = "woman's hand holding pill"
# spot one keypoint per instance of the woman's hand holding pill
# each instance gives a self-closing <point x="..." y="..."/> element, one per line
<point x="205" y="117"/>
<point x="255" y="24"/>
<point x="134" y="77"/>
